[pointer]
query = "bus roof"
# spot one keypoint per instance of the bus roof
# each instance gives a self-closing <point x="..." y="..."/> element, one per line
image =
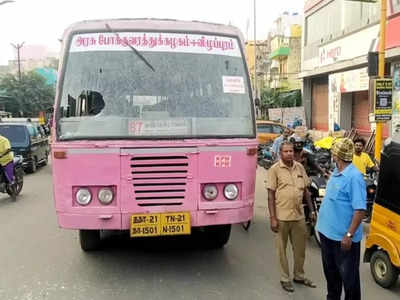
<point x="153" y="25"/>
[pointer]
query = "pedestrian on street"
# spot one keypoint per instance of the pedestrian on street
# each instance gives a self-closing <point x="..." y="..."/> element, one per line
<point x="277" y="143"/>
<point x="287" y="184"/>
<point x="361" y="160"/>
<point x="339" y="220"/>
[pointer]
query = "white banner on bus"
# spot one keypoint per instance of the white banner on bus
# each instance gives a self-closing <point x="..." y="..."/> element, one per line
<point x="156" y="42"/>
<point x="233" y="84"/>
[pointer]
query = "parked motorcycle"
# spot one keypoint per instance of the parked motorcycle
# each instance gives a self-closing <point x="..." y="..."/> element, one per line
<point x="5" y="187"/>
<point x="264" y="156"/>
<point x="317" y="190"/>
<point x="322" y="158"/>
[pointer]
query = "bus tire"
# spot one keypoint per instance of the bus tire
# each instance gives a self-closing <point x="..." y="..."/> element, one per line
<point x="89" y="239"/>
<point x="217" y="235"/>
<point x="383" y="271"/>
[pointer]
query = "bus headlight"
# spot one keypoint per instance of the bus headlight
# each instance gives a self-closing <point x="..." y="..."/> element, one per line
<point x="231" y="191"/>
<point x="210" y="191"/>
<point x="83" y="196"/>
<point x="105" y="196"/>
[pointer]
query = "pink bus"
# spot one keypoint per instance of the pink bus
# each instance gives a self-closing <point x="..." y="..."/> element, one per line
<point x="154" y="130"/>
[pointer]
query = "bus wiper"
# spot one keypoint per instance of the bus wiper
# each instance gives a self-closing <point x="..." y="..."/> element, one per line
<point x="132" y="48"/>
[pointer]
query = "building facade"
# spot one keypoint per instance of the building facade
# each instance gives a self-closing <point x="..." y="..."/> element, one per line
<point x="285" y="57"/>
<point x="262" y="53"/>
<point x="337" y="37"/>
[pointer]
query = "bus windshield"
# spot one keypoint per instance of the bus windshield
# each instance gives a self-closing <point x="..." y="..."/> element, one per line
<point x="192" y="86"/>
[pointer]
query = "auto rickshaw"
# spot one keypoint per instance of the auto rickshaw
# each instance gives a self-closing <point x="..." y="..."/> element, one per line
<point x="383" y="241"/>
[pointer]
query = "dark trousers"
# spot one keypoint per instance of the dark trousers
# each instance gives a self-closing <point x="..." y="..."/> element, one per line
<point x="342" y="269"/>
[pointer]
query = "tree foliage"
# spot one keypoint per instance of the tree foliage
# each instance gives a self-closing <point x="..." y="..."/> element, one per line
<point x="273" y="98"/>
<point x="26" y="97"/>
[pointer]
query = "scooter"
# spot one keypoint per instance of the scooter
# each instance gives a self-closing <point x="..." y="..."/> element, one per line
<point x="5" y="186"/>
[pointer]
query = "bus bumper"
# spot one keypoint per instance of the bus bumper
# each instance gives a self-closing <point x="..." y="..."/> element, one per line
<point x="122" y="221"/>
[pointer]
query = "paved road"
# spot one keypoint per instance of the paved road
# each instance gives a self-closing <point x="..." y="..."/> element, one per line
<point x="40" y="261"/>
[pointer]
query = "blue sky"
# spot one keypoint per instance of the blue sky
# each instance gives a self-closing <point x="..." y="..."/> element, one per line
<point x="43" y="21"/>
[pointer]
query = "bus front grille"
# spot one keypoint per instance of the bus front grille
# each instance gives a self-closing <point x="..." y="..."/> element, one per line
<point x="159" y="180"/>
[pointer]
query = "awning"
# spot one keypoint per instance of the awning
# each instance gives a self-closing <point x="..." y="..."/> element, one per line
<point x="282" y="51"/>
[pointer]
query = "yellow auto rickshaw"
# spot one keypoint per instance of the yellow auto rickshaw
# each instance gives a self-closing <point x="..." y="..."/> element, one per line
<point x="383" y="241"/>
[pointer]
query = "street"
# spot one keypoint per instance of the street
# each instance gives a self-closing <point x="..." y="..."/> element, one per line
<point x="41" y="261"/>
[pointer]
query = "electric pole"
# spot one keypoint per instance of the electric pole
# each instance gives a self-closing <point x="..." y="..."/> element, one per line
<point x="18" y="48"/>
<point x="382" y="46"/>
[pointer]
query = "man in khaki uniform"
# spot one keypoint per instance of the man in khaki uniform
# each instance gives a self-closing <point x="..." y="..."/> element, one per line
<point x="287" y="184"/>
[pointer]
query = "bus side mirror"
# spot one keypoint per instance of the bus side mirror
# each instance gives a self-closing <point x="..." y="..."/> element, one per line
<point x="257" y="102"/>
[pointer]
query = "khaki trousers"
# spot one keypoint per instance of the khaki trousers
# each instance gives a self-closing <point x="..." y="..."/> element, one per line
<point x="296" y="232"/>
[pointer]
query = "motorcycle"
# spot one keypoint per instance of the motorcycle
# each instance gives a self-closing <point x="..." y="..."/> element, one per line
<point x="371" y="181"/>
<point x="264" y="156"/>
<point x="323" y="157"/>
<point x="6" y="187"/>
<point x="317" y="189"/>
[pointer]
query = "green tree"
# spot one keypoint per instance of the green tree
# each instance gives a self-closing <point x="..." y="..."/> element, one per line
<point x="273" y="98"/>
<point x="26" y="97"/>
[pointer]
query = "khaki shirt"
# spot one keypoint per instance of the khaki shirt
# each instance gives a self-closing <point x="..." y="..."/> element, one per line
<point x="289" y="185"/>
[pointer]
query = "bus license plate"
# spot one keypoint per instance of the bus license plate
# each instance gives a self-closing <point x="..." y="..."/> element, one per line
<point x="145" y="225"/>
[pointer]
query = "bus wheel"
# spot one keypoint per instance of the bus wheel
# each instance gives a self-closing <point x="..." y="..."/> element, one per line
<point x="217" y="236"/>
<point x="90" y="239"/>
<point x="384" y="273"/>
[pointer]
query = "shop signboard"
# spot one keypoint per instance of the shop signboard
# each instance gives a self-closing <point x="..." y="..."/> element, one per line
<point x="383" y="93"/>
<point x="343" y="49"/>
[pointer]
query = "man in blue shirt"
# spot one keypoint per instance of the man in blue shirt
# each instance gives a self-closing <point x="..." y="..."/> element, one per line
<point x="277" y="143"/>
<point x="339" y="220"/>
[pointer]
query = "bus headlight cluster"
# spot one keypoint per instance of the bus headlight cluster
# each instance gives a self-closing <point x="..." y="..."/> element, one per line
<point x="84" y="196"/>
<point x="210" y="191"/>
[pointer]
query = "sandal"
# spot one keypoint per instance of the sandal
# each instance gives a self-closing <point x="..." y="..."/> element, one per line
<point x="287" y="286"/>
<point x="306" y="282"/>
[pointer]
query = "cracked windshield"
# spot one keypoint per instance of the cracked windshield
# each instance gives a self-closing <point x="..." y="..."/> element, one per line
<point x="196" y="86"/>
